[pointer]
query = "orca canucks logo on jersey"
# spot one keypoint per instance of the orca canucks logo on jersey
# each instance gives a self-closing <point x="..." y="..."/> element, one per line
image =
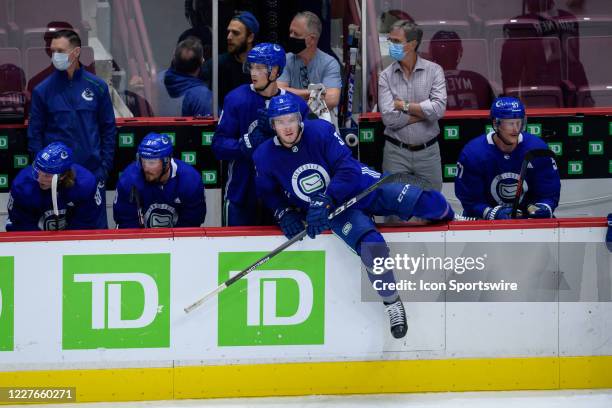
<point x="309" y="179"/>
<point x="47" y="221"/>
<point x="503" y="187"/>
<point x="160" y="216"/>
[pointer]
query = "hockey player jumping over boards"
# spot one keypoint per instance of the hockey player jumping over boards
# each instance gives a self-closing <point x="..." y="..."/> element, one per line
<point x="157" y="191"/>
<point x="306" y="170"/>
<point x="489" y="166"/>
<point x="243" y="126"/>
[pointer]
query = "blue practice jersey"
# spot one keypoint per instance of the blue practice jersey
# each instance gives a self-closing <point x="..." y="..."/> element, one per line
<point x="239" y="117"/>
<point x="180" y="202"/>
<point x="488" y="177"/>
<point x="319" y="163"/>
<point x="30" y="208"/>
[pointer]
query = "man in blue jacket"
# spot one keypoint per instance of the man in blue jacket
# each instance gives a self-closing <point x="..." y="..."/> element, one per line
<point x="182" y="79"/>
<point x="73" y="106"/>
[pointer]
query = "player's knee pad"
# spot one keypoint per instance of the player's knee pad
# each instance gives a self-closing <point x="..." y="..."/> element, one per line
<point x="432" y="205"/>
<point x="351" y="226"/>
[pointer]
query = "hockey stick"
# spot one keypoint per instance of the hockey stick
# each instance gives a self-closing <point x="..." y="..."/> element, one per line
<point x="384" y="180"/>
<point x="135" y="197"/>
<point x="532" y="154"/>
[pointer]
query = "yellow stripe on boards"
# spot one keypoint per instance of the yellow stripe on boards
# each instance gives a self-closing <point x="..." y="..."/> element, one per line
<point x="361" y="377"/>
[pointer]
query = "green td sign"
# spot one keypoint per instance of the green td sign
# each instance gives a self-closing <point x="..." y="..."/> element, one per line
<point x="4" y="142"/>
<point x="366" y="135"/>
<point x="209" y="176"/>
<point x="451" y="132"/>
<point x="575" y="167"/>
<point x="116" y="301"/>
<point x="596" y="148"/>
<point x="450" y="170"/>
<point x="189" y="157"/>
<point x="126" y="140"/>
<point x="4" y="181"/>
<point x="575" y="129"/>
<point x="7" y="293"/>
<point x="535" y="129"/>
<point x="556" y="148"/>
<point x="207" y="138"/>
<point x="283" y="304"/>
<point x="20" y="161"/>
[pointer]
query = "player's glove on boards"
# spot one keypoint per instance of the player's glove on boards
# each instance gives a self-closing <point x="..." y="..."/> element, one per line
<point x="609" y="234"/>
<point x="317" y="219"/>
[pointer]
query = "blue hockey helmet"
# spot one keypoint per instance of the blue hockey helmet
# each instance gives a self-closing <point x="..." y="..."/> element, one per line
<point x="155" y="146"/>
<point x="507" y="107"/>
<point x="269" y="54"/>
<point x="56" y="158"/>
<point x="282" y="105"/>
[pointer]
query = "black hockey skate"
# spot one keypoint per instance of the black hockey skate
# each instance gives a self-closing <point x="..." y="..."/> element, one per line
<point x="397" y="318"/>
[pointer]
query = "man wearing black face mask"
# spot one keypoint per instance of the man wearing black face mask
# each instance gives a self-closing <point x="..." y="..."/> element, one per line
<point x="241" y="33"/>
<point x="307" y="64"/>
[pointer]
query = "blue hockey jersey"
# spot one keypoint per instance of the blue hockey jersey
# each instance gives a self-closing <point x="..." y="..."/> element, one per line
<point x="319" y="163"/>
<point x="180" y="202"/>
<point x="239" y="117"/>
<point x="30" y="208"/>
<point x="488" y="177"/>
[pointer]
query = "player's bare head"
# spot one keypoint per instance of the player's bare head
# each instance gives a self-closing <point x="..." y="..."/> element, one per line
<point x="285" y="119"/>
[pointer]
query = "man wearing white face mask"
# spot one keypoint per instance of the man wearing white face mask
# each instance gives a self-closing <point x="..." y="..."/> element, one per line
<point x="411" y="98"/>
<point x="74" y="106"/>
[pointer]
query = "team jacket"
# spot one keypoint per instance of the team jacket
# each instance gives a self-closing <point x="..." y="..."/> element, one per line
<point x="77" y="112"/>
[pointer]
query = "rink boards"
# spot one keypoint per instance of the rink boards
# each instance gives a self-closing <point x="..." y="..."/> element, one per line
<point x="103" y="312"/>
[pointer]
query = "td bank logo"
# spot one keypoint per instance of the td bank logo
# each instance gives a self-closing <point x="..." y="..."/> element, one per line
<point x="7" y="284"/>
<point x="116" y="301"/>
<point x="283" y="304"/>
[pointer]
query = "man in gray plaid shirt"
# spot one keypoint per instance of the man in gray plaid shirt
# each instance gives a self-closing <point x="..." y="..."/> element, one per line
<point x="411" y="98"/>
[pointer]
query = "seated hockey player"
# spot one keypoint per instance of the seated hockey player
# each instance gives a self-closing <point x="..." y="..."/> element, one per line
<point x="306" y="170"/>
<point x="157" y="191"/>
<point x="243" y="126"/>
<point x="54" y="193"/>
<point x="489" y="166"/>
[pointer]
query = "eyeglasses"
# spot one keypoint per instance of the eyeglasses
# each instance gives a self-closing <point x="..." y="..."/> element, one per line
<point x="304" y="81"/>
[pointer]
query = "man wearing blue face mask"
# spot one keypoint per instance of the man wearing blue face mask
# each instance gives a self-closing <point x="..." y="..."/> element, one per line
<point x="73" y="106"/>
<point x="411" y="98"/>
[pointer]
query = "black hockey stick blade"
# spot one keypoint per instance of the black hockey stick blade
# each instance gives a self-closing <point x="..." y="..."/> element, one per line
<point x="532" y="154"/>
<point x="391" y="178"/>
